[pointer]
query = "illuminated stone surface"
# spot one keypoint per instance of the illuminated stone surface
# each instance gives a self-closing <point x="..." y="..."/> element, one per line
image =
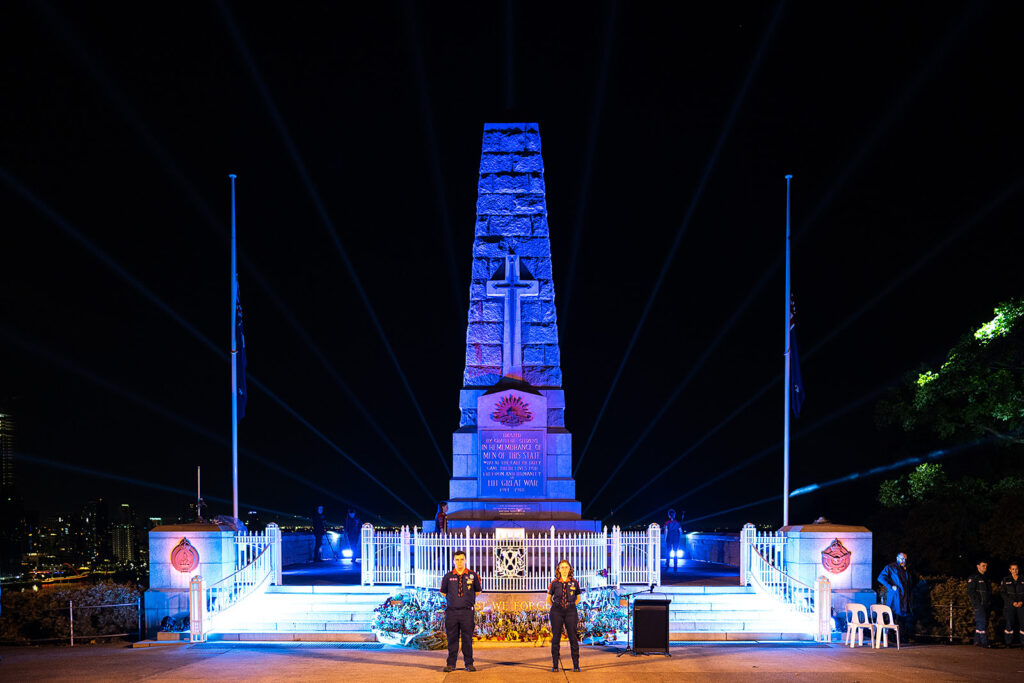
<point x="532" y="487"/>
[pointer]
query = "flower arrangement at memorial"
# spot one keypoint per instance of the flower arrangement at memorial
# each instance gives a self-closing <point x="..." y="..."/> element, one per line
<point x="513" y="626"/>
<point x="415" y="618"/>
<point x="601" y="616"/>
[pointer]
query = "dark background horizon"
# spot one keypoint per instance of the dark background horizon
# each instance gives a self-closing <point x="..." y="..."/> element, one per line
<point x="901" y="127"/>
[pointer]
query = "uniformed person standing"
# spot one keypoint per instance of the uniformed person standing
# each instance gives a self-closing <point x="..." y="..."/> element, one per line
<point x="460" y="586"/>
<point x="563" y="594"/>
<point x="1012" y="588"/>
<point x="980" y="594"/>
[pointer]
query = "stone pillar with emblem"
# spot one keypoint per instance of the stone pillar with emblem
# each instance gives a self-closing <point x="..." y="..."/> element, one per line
<point x="840" y="552"/>
<point x="512" y="455"/>
<point x="177" y="552"/>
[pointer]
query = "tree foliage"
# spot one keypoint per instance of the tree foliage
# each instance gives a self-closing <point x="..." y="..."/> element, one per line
<point x="927" y="481"/>
<point x="945" y="525"/>
<point x="44" y="615"/>
<point x="977" y="391"/>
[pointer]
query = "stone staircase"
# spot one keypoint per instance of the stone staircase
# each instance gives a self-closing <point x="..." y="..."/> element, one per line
<point x="344" y="613"/>
<point x="730" y="613"/>
<point x="305" y="613"/>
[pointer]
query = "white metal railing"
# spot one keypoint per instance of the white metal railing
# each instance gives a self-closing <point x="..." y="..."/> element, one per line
<point x="762" y="565"/>
<point x="258" y="564"/>
<point x="774" y="581"/>
<point x="382" y="556"/>
<point x="510" y="559"/>
<point x="639" y="556"/>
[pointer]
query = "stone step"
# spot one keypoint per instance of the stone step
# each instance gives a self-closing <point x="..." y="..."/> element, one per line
<point x="301" y="625"/>
<point x="296" y="636"/>
<point x="739" y="636"/>
<point x="712" y="615"/>
<point x="713" y="590"/>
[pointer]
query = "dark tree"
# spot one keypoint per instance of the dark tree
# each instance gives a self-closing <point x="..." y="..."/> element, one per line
<point x="978" y="390"/>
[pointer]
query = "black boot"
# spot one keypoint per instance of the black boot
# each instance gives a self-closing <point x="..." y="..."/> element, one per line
<point x="554" y="666"/>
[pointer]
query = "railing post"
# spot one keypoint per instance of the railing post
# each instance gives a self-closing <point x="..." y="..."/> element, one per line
<point x="553" y="560"/>
<point x="616" y="549"/>
<point x="71" y="620"/>
<point x="197" y="609"/>
<point x="823" y="609"/>
<point x="404" y="551"/>
<point x="605" y="547"/>
<point x="276" y="552"/>
<point x="368" y="554"/>
<point x="654" y="554"/>
<point x="415" y="556"/>
<point x="746" y="538"/>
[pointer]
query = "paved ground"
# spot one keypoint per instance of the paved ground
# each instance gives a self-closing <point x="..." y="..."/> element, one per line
<point x="346" y="572"/>
<point x="217" y="662"/>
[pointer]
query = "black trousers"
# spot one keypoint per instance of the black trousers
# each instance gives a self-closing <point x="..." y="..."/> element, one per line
<point x="980" y="625"/>
<point x="459" y="622"/>
<point x="571" y="620"/>
<point x="1014" y="619"/>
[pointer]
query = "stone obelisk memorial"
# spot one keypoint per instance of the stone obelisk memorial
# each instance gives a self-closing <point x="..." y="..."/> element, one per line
<point x="512" y="455"/>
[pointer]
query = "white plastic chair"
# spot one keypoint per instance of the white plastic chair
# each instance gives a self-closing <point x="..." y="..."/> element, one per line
<point x="884" y="621"/>
<point x="857" y="623"/>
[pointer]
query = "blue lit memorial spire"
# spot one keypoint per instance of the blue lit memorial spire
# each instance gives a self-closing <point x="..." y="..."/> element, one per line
<point x="512" y="329"/>
<point x="512" y="455"/>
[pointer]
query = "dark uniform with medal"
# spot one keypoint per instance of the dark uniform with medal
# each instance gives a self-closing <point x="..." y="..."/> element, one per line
<point x="563" y="595"/>
<point x="460" y="586"/>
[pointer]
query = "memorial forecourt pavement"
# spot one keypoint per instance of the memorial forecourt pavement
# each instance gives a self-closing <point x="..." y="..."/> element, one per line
<point x="219" y="662"/>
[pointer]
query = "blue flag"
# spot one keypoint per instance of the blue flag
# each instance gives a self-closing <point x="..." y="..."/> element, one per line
<point x="240" y="352"/>
<point x="796" y="380"/>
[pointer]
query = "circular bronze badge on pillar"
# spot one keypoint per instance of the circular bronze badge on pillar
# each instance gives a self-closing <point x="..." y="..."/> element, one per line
<point x="184" y="557"/>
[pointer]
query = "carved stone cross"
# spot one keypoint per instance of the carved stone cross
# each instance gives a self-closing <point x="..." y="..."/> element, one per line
<point x="512" y="289"/>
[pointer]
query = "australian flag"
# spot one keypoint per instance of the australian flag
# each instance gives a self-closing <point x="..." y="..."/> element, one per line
<point x="796" y="381"/>
<point x="239" y="352"/>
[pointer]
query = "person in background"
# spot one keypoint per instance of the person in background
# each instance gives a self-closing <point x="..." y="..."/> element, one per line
<point x="980" y="595"/>
<point x="1012" y="588"/>
<point x="319" y="529"/>
<point x="673" y="531"/>
<point x="441" y="518"/>
<point x="563" y="595"/>
<point x="899" y="581"/>
<point x="354" y="529"/>
<point x="460" y="587"/>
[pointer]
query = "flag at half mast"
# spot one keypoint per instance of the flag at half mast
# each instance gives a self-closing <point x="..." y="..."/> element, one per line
<point x="239" y="351"/>
<point x="796" y="380"/>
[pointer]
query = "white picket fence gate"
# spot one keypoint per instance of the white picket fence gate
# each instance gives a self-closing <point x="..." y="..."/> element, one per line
<point x="258" y="565"/>
<point x="762" y="565"/>
<point x="512" y="560"/>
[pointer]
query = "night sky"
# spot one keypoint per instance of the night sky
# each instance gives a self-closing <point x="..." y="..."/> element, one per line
<point x="355" y="131"/>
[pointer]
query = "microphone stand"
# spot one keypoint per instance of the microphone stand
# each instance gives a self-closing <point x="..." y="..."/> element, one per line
<point x="629" y="642"/>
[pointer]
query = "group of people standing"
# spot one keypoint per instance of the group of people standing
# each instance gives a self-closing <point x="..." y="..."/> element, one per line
<point x="899" y="582"/>
<point x="980" y="593"/>
<point x="460" y="587"/>
<point x="353" y="529"/>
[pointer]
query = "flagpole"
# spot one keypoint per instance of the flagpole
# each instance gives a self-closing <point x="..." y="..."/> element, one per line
<point x="234" y="360"/>
<point x="786" y="382"/>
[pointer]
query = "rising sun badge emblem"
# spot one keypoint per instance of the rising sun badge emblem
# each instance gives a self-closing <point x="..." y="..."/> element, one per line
<point x="512" y="411"/>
